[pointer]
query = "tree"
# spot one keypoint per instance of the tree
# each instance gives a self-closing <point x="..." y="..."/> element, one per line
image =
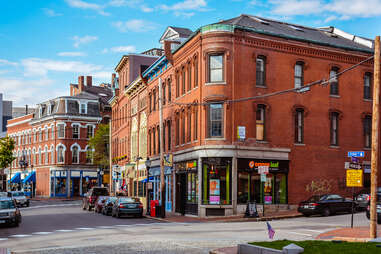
<point x="100" y="144"/>
<point x="6" y="148"/>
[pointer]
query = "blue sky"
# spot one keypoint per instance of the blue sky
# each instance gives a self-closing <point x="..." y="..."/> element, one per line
<point x="45" y="45"/>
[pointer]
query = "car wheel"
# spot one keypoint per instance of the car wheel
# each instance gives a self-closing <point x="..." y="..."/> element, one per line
<point x="118" y="215"/>
<point x="27" y="204"/>
<point x="326" y="212"/>
<point x="306" y="214"/>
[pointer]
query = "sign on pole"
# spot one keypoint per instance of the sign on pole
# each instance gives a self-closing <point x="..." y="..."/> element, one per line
<point x="356" y="154"/>
<point x="351" y="165"/>
<point x="354" y="178"/>
<point x="263" y="169"/>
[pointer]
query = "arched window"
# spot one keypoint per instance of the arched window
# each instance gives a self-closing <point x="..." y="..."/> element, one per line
<point x="143" y="136"/>
<point x="60" y="154"/>
<point x="134" y="139"/>
<point x="89" y="155"/>
<point x="46" y="154"/>
<point x="52" y="158"/>
<point x="75" y="154"/>
<point x="39" y="156"/>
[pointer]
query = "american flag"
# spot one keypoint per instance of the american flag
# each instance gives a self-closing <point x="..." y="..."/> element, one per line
<point x="271" y="231"/>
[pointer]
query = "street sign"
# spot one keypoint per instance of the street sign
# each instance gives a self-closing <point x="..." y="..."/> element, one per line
<point x="355" y="160"/>
<point x="241" y="132"/>
<point x="356" y="154"/>
<point x="351" y="165"/>
<point x="354" y="178"/>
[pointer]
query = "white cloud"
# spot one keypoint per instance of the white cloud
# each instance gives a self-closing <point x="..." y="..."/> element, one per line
<point x="146" y="9"/>
<point x="87" y="6"/>
<point x="124" y="49"/>
<point x="71" y="54"/>
<point x="104" y="51"/>
<point x="355" y="8"/>
<point x="41" y="67"/>
<point x="184" y="14"/>
<point x="297" y="7"/>
<point x="186" y="5"/>
<point x="83" y="40"/>
<point x="51" y="13"/>
<point x="104" y="75"/>
<point x="134" y="25"/>
<point x="6" y="62"/>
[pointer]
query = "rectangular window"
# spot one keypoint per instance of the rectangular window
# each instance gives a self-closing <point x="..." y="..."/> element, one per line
<point x="177" y="85"/>
<point x="189" y="138"/>
<point x="90" y="131"/>
<point x="260" y="71"/>
<point x="177" y="130"/>
<point x="47" y="134"/>
<point x="215" y="120"/>
<point x="153" y="141"/>
<point x="150" y="102"/>
<point x="260" y="122"/>
<point x="298" y="75"/>
<point x="83" y="108"/>
<point x="158" y="139"/>
<point x="195" y="128"/>
<point x="334" y="83"/>
<point x="154" y="100"/>
<point x="367" y="131"/>
<point x="163" y="91"/>
<point x="164" y="138"/>
<point x="367" y="82"/>
<point x="299" y="125"/>
<point x="169" y="135"/>
<point x="149" y="143"/>
<point x="76" y="131"/>
<point x="169" y="90"/>
<point x="183" y="81"/>
<point x="195" y="73"/>
<point x="216" y="66"/>
<point x="183" y="128"/>
<point x="334" y="128"/>
<point x="189" y="77"/>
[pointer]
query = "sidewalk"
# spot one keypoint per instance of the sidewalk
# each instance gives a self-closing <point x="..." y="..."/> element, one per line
<point x="236" y="218"/>
<point x="356" y="234"/>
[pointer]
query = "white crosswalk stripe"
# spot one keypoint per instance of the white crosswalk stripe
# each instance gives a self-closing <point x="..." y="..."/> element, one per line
<point x="64" y="230"/>
<point x="3" y="239"/>
<point x="85" y="228"/>
<point x="19" y="236"/>
<point x="41" y="233"/>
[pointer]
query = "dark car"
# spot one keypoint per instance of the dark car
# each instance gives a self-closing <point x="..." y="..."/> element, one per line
<point x="109" y="203"/>
<point x="127" y="206"/>
<point x="378" y="207"/>
<point x="91" y="196"/>
<point x="99" y="203"/>
<point x="9" y="212"/>
<point x="325" y="205"/>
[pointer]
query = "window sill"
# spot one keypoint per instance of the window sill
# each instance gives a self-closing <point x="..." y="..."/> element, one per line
<point x="368" y="100"/>
<point x="367" y="149"/>
<point x="334" y="96"/>
<point x="299" y="144"/>
<point x="335" y="147"/>
<point x="261" y="86"/>
<point x="216" y="139"/>
<point x="215" y="83"/>
<point x="262" y="141"/>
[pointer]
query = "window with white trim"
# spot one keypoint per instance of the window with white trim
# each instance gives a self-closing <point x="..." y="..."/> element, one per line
<point x="75" y="154"/>
<point x="215" y="120"/>
<point x="76" y="131"/>
<point x="61" y="130"/>
<point x="83" y="108"/>
<point x="216" y="68"/>
<point x="60" y="154"/>
<point x="90" y="131"/>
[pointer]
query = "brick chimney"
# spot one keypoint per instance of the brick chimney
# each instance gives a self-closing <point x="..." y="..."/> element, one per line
<point x="89" y="81"/>
<point x="81" y="83"/>
<point x="168" y="50"/>
<point x="113" y="79"/>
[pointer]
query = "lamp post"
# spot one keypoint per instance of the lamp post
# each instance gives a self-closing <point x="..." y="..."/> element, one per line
<point x="148" y="165"/>
<point x="23" y="164"/>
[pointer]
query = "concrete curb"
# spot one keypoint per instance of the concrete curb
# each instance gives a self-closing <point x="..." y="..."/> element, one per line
<point x="350" y="239"/>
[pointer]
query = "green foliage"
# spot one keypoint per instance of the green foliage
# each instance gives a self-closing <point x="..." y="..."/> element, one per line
<point x="325" y="247"/>
<point x="6" y="147"/>
<point x="100" y="144"/>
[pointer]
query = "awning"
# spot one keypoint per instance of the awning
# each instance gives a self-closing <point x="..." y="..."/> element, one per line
<point x="16" y="178"/>
<point x="30" y="178"/>
<point x="145" y="180"/>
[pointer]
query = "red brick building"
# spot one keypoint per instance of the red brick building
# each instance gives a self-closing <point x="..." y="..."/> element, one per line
<point x="220" y="130"/>
<point x="53" y="158"/>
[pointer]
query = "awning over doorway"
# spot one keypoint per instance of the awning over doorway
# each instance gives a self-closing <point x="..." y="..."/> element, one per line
<point x="16" y="178"/>
<point x="145" y="180"/>
<point x="30" y="178"/>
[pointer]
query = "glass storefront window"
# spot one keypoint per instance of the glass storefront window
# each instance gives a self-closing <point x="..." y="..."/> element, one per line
<point x="217" y="181"/>
<point x="60" y="186"/>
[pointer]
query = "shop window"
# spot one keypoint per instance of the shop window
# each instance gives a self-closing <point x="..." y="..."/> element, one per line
<point x="333" y="81"/>
<point x="367" y="131"/>
<point x="215" y="120"/>
<point x="216" y="67"/>
<point x="261" y="71"/>
<point x="298" y="74"/>
<point x="60" y="186"/>
<point x="76" y="131"/>
<point x="334" y="128"/>
<point x="367" y="85"/>
<point x="260" y="122"/>
<point x="299" y="126"/>
<point x="216" y="181"/>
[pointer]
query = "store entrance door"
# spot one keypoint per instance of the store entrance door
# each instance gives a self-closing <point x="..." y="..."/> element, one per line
<point x="75" y="189"/>
<point x="180" y="193"/>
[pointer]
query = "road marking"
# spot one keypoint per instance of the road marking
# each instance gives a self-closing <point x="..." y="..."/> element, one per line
<point x="19" y="236"/>
<point x="85" y="228"/>
<point x="296" y="233"/>
<point x="3" y="239"/>
<point x="64" y="230"/>
<point x="105" y="227"/>
<point x="41" y="233"/>
<point x="45" y="206"/>
<point x="317" y="231"/>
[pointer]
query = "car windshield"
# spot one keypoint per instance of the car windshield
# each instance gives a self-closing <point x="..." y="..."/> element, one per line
<point x="18" y="194"/>
<point x="316" y="198"/>
<point x="6" y="204"/>
<point x="128" y="200"/>
<point x="100" y="191"/>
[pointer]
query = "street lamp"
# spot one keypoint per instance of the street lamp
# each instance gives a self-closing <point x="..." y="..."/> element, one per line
<point x="148" y="165"/>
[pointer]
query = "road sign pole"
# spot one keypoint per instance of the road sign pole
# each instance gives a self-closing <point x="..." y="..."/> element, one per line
<point x="375" y="126"/>
<point x="353" y="200"/>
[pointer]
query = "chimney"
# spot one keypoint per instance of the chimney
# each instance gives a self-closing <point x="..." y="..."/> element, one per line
<point x="89" y="81"/>
<point x="81" y="83"/>
<point x="113" y="78"/>
<point x="168" y="50"/>
<point x="26" y="109"/>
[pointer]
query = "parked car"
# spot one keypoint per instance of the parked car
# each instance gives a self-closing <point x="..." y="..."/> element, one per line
<point x="88" y="201"/>
<point x="326" y="205"/>
<point x="107" y="207"/>
<point x="362" y="201"/>
<point x="378" y="207"/>
<point x="3" y="194"/>
<point x="19" y="197"/>
<point x="9" y="212"/>
<point x="127" y="206"/>
<point x="99" y="203"/>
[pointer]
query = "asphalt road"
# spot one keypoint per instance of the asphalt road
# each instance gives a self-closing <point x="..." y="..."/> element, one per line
<point x="66" y="229"/>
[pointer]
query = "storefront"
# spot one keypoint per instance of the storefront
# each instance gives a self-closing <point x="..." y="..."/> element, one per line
<point x="29" y="184"/>
<point x="15" y="182"/>
<point x="268" y="188"/>
<point x="69" y="183"/>
<point x="187" y="182"/>
<point x="154" y="177"/>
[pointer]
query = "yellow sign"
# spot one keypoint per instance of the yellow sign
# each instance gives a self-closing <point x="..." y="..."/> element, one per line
<point x="354" y="178"/>
<point x="168" y="160"/>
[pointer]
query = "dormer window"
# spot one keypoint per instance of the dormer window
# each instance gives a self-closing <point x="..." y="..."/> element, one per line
<point x="83" y="108"/>
<point x="40" y="112"/>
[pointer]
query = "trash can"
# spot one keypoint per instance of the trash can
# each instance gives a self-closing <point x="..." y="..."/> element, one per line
<point x="158" y="211"/>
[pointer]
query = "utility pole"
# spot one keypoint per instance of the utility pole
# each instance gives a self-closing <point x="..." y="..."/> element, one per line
<point x="110" y="153"/>
<point x="375" y="129"/>
<point x="162" y="182"/>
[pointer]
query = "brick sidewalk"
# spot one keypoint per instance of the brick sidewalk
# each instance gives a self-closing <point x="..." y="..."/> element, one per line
<point x="236" y="218"/>
<point x="356" y="234"/>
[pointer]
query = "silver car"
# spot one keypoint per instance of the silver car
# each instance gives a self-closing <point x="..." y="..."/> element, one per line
<point x="19" y="197"/>
<point x="9" y="213"/>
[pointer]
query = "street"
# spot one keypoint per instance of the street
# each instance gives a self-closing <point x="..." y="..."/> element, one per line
<point x="63" y="227"/>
